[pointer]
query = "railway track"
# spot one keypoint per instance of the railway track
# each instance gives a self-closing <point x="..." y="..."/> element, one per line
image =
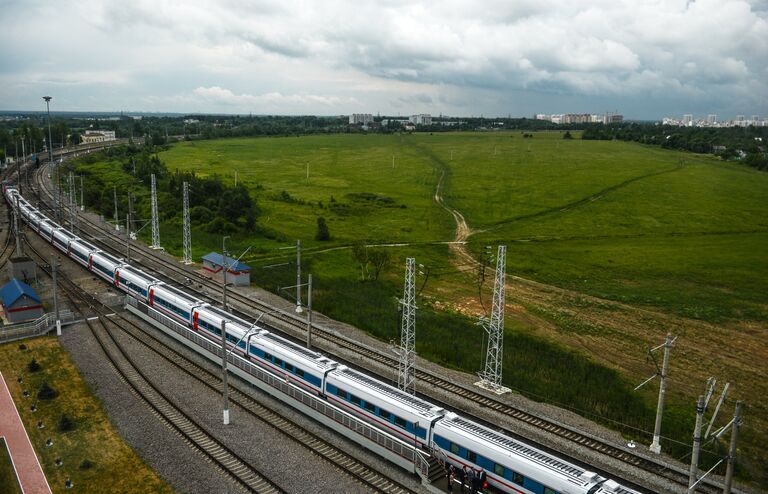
<point x="286" y="321"/>
<point x="186" y="426"/>
<point x="226" y="460"/>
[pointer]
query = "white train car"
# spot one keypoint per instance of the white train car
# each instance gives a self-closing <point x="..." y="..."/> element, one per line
<point x="406" y="416"/>
<point x="173" y="303"/>
<point x="298" y="365"/>
<point x="512" y="466"/>
<point x="105" y="265"/>
<point x="135" y="281"/>
<point x="81" y="251"/>
<point x="62" y="240"/>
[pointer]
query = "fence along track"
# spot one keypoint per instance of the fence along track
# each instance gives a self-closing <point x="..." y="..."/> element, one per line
<point x="670" y="473"/>
<point x="193" y="433"/>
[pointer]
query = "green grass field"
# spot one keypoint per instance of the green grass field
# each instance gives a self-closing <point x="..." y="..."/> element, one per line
<point x="675" y="235"/>
<point x="115" y="467"/>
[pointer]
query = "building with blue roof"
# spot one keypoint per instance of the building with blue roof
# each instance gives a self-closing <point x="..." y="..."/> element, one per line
<point x="20" y="302"/>
<point x="238" y="273"/>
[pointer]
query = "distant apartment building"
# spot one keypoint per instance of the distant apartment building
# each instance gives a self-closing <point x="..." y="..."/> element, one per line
<point x="688" y="120"/>
<point x="421" y="119"/>
<point x="580" y="118"/>
<point x="97" y="136"/>
<point x="711" y="119"/>
<point x="360" y="119"/>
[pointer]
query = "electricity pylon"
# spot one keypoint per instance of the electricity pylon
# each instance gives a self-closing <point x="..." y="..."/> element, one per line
<point x="406" y="375"/>
<point x="187" y="228"/>
<point x="155" y="221"/>
<point x="490" y="378"/>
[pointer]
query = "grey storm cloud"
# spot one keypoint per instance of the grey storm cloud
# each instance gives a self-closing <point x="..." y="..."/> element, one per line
<point x="350" y="56"/>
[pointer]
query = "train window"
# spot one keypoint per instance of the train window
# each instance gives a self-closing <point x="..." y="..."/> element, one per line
<point x="299" y="372"/>
<point x="499" y="469"/>
<point x="289" y="367"/>
<point x="547" y="490"/>
<point x="385" y="414"/>
<point x="518" y="478"/>
<point x="454" y="448"/>
<point x="278" y="362"/>
<point x="354" y="399"/>
<point x="370" y="407"/>
<point x="400" y="422"/>
<point x="267" y="356"/>
<point x="341" y="392"/>
<point x="472" y="456"/>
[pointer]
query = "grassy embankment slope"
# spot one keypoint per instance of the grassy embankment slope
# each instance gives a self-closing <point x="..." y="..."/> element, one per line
<point x="94" y="456"/>
<point x="631" y="242"/>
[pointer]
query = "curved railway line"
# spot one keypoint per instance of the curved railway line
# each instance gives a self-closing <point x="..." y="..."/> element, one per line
<point x="295" y="326"/>
<point x="226" y="460"/>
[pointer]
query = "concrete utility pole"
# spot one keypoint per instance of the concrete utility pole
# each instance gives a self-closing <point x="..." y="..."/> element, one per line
<point x="117" y="216"/>
<point x="16" y="223"/>
<point x="309" y="312"/>
<point x="694" y="473"/>
<point x="656" y="444"/>
<point x="225" y="386"/>
<point x="55" y="297"/>
<point x="224" y="267"/>
<point x="128" y="229"/>
<point x="732" y="450"/>
<point x="298" y="276"/>
<point x="490" y="378"/>
<point x="406" y="375"/>
<point x="82" y="194"/>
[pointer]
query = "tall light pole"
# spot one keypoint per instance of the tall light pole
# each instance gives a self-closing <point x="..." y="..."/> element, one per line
<point x="50" y="155"/>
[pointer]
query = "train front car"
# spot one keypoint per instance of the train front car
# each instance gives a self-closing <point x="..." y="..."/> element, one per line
<point x="513" y="466"/>
<point x="298" y="365"/>
<point x="405" y="416"/>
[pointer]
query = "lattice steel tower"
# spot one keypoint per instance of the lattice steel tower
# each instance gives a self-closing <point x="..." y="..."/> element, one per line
<point x="490" y="378"/>
<point x="406" y="379"/>
<point x="187" y="227"/>
<point x="155" y="221"/>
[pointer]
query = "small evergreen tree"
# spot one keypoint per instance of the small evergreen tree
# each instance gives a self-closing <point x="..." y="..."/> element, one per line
<point x="46" y="392"/>
<point x="322" y="230"/>
<point x="66" y="424"/>
<point x="33" y="366"/>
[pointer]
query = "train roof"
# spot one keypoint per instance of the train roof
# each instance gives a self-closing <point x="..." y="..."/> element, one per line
<point x="111" y="258"/>
<point x="520" y="449"/>
<point x="176" y="292"/>
<point x="421" y="406"/>
<point x="295" y="348"/>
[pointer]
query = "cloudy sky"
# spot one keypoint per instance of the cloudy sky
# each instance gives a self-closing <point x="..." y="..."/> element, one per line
<point x="645" y="58"/>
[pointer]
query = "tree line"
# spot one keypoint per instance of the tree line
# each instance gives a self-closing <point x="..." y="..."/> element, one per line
<point x="215" y="206"/>
<point x="744" y="144"/>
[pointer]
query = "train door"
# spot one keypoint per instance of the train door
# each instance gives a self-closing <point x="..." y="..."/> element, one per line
<point x="195" y="317"/>
<point x="151" y="297"/>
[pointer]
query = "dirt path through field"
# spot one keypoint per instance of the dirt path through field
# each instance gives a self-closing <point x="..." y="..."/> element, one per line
<point x="618" y="334"/>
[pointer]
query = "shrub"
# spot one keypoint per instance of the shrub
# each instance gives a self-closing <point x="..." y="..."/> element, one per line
<point x="86" y="464"/>
<point x="33" y="366"/>
<point x="46" y="392"/>
<point x="66" y="424"/>
<point x="22" y="347"/>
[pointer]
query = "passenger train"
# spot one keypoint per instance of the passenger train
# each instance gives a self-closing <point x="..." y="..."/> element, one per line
<point x="511" y="465"/>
